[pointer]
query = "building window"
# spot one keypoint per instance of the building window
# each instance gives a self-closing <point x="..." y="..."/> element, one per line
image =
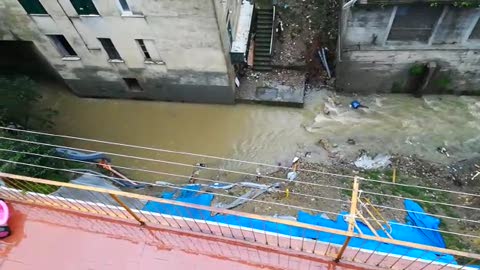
<point x="143" y="48"/>
<point x="414" y="23"/>
<point x="124" y="7"/>
<point x="110" y="49"/>
<point x="63" y="46"/>
<point x="149" y="51"/>
<point x="84" y="7"/>
<point x="476" y="31"/>
<point x="33" y="6"/>
<point x="230" y="34"/>
<point x="133" y="85"/>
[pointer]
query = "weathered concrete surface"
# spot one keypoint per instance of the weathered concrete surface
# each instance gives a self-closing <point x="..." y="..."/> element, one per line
<point x="369" y="62"/>
<point x="285" y="88"/>
<point x="190" y="47"/>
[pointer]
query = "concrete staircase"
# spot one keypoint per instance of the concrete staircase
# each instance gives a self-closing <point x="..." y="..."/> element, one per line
<point x="263" y="57"/>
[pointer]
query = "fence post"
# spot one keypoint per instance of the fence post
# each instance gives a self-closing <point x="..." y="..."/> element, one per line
<point x="115" y="197"/>
<point x="351" y="218"/>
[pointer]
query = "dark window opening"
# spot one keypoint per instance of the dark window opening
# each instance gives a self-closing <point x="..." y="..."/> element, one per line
<point x="145" y="52"/>
<point x="414" y="23"/>
<point x="33" y="6"/>
<point x="62" y="45"/>
<point x="84" y="7"/>
<point x="124" y="5"/>
<point x="110" y="49"/>
<point x="476" y="31"/>
<point x="230" y="34"/>
<point x="133" y="85"/>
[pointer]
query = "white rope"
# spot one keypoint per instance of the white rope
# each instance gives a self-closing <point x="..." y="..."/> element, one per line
<point x="162" y="173"/>
<point x="226" y="159"/>
<point x="214" y="181"/>
<point x="276" y="178"/>
<point x="420" y="200"/>
<point x="423" y="213"/>
<point x="168" y="151"/>
<point x="434" y="230"/>
<point x="180" y="188"/>
<point x="170" y="162"/>
<point x="422" y="187"/>
<point x="230" y="196"/>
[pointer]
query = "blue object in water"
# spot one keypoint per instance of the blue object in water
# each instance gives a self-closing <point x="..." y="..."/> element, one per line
<point x="356" y="104"/>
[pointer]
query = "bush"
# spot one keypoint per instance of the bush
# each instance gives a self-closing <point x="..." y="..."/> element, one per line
<point x="19" y="98"/>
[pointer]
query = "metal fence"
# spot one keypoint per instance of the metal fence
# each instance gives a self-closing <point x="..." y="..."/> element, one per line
<point x="125" y="206"/>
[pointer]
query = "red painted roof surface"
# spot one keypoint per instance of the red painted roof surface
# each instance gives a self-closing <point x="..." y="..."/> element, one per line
<point x="52" y="239"/>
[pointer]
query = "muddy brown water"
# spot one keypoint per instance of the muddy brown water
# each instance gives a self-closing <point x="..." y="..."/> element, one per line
<point x="393" y="124"/>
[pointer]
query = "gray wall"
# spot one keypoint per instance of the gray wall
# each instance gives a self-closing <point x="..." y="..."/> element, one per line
<point x="189" y="42"/>
<point x="369" y="61"/>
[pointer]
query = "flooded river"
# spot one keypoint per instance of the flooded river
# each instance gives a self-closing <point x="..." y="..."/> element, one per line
<point x="392" y="124"/>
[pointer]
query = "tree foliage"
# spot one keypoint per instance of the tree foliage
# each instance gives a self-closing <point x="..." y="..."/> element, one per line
<point x="19" y="107"/>
<point x="19" y="99"/>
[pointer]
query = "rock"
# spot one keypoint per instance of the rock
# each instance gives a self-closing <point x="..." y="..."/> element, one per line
<point x="351" y="141"/>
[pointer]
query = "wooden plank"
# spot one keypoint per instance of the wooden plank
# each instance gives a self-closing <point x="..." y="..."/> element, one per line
<point x="351" y="218"/>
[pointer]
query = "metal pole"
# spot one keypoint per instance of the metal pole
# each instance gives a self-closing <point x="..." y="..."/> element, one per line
<point x="127" y="208"/>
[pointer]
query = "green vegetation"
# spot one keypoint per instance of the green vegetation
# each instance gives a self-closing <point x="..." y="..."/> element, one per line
<point x="418" y="70"/>
<point x="443" y="82"/>
<point x="19" y="108"/>
<point x="19" y="97"/>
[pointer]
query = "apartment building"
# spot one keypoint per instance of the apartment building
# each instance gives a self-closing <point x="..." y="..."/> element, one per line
<point x="172" y="50"/>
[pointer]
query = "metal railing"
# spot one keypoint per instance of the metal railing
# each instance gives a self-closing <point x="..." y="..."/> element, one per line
<point x="273" y="30"/>
<point x="125" y="206"/>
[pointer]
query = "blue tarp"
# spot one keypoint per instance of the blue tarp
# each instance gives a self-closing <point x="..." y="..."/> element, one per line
<point x="190" y="194"/>
<point x="77" y="155"/>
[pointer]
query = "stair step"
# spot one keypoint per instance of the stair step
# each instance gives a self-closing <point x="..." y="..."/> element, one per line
<point x="263" y="39"/>
<point x="262" y="64"/>
<point x="269" y="33"/>
<point x="262" y="59"/>
<point x="262" y="54"/>
<point x="269" y="30"/>
<point x="264" y="17"/>
<point x="265" y="11"/>
<point x="263" y="36"/>
<point x="264" y="21"/>
<point x="263" y="50"/>
<point x="262" y="68"/>
<point x="264" y="26"/>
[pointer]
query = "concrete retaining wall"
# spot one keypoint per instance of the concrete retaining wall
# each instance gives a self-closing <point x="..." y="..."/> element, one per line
<point x="370" y="62"/>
